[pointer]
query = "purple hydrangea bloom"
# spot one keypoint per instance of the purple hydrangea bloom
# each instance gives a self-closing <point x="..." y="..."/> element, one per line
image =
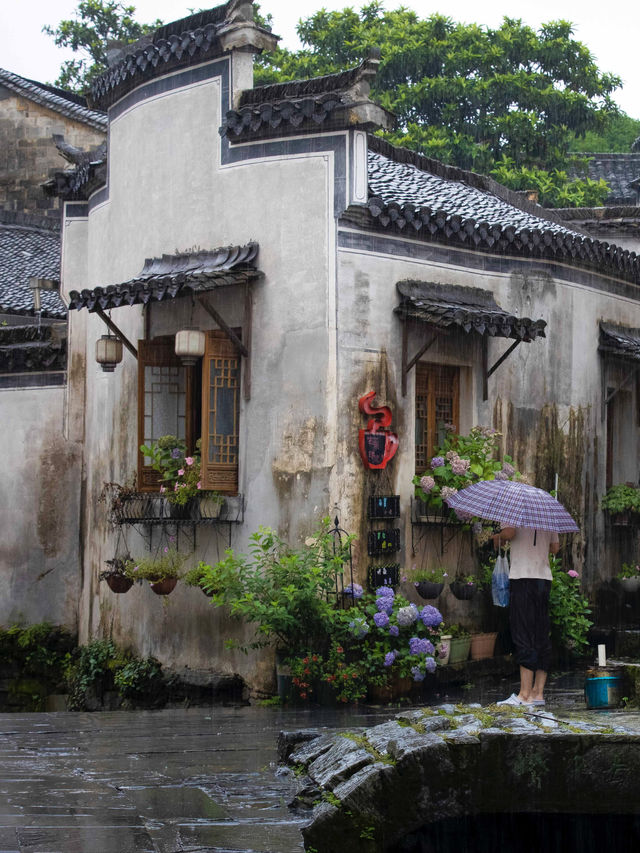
<point x="431" y="616"/>
<point x="394" y="630"/>
<point x="460" y="466"/>
<point x="427" y="483"/>
<point x="407" y="615"/>
<point x="417" y="673"/>
<point x="389" y="658"/>
<point x="354" y="589"/>
<point x="381" y="620"/>
<point x="420" y="646"/>
<point x="385" y="605"/>
<point x="437" y="462"/>
<point x="385" y="592"/>
<point x="359" y="627"/>
<point x="500" y="475"/>
<point x="508" y="469"/>
<point x="176" y="453"/>
<point x="430" y="664"/>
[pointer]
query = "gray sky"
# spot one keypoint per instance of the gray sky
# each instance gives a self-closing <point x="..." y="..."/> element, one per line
<point x="610" y="31"/>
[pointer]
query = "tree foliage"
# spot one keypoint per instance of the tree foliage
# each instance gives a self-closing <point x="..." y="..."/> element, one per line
<point x="466" y="94"/>
<point x="97" y="23"/>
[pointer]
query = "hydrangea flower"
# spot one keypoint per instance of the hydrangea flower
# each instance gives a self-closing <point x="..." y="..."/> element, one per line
<point x="417" y="673"/>
<point x="573" y="574"/>
<point x="385" y="605"/>
<point x="431" y="616"/>
<point x="381" y="620"/>
<point x="354" y="589"/>
<point x="460" y="466"/>
<point x="420" y="646"/>
<point x="451" y="455"/>
<point x="437" y="462"/>
<point x="176" y="453"/>
<point x="500" y="475"/>
<point x="394" y="630"/>
<point x="509" y="470"/>
<point x="389" y="658"/>
<point x="430" y="664"/>
<point x="359" y="627"/>
<point x="427" y="483"/>
<point x="447" y="492"/>
<point x="385" y="591"/>
<point x="407" y="615"/>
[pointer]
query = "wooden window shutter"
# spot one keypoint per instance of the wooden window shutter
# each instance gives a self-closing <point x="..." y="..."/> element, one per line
<point x="165" y="401"/>
<point x="437" y="403"/>
<point x="220" y="414"/>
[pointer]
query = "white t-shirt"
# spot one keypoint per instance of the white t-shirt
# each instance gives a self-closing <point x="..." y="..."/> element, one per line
<point x="529" y="560"/>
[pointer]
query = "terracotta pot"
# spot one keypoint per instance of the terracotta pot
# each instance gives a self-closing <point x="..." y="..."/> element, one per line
<point x="429" y="589"/>
<point x="119" y="583"/>
<point x="483" y="645"/>
<point x="164" y="586"/>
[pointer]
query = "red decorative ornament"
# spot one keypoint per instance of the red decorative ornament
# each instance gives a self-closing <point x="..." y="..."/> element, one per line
<point x="377" y="444"/>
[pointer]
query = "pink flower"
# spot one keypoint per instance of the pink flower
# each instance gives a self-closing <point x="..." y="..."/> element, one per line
<point x="166" y="550"/>
<point x="181" y="472"/>
<point x="162" y="489"/>
<point x="189" y="460"/>
<point x="427" y="483"/>
<point x="198" y="485"/>
<point x="175" y="487"/>
<point x="573" y="574"/>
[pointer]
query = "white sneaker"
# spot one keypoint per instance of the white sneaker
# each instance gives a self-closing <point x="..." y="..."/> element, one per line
<point x="512" y="700"/>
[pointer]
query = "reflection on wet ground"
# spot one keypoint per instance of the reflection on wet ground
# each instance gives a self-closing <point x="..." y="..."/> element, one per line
<point x="201" y="779"/>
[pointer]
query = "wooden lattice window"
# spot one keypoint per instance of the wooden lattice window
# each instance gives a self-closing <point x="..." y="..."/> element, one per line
<point x="220" y="414"/>
<point x="437" y="404"/>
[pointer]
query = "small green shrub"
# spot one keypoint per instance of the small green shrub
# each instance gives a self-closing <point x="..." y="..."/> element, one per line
<point x="140" y="682"/>
<point x="569" y="610"/>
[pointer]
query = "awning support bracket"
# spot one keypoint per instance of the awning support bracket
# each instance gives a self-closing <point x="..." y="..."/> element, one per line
<point x="487" y="372"/>
<point x="116" y="331"/>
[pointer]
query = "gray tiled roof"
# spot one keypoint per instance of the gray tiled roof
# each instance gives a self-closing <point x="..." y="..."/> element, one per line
<point x="468" y="308"/>
<point x="169" y="276"/>
<point x="29" y="246"/>
<point x="29" y="349"/>
<point x="619" y="171"/>
<point x="620" y="341"/>
<point x="66" y="103"/>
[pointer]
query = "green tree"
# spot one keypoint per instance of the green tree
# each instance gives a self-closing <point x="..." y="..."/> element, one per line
<point x="96" y="24"/>
<point x="463" y="93"/>
<point x="618" y="135"/>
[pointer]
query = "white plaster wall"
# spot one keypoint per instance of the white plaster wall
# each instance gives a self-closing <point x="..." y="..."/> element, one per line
<point x="167" y="193"/>
<point x="40" y="508"/>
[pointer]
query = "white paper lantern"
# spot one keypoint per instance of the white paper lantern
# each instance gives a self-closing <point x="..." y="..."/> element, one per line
<point x="190" y="345"/>
<point x="108" y="352"/>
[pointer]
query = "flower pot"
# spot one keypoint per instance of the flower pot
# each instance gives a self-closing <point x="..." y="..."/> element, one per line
<point x="180" y="510"/>
<point x="395" y="689"/>
<point x="483" y="645"/>
<point x="443" y="649"/>
<point x="630" y="585"/>
<point x="463" y="591"/>
<point x="209" y="506"/>
<point x="429" y="589"/>
<point x="164" y="586"/>
<point x="459" y="649"/>
<point x="119" y="583"/>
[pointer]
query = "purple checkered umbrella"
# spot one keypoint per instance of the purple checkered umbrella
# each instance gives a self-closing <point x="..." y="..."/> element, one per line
<point x="514" y="504"/>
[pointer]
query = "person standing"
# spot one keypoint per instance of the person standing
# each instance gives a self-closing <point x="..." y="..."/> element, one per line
<point x="529" y="589"/>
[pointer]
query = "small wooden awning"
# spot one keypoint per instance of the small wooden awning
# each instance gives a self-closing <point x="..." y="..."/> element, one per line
<point x="444" y="308"/>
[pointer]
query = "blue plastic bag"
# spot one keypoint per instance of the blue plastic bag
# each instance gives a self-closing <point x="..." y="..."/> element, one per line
<point x="500" y="581"/>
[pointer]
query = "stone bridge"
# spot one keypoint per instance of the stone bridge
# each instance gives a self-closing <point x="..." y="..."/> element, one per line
<point x="372" y="788"/>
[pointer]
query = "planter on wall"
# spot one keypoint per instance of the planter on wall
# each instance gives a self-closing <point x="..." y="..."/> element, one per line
<point x="118" y="583"/>
<point x="630" y="585"/>
<point x="463" y="591"/>
<point x="428" y="589"/>
<point x="164" y="586"/>
<point x="208" y="506"/>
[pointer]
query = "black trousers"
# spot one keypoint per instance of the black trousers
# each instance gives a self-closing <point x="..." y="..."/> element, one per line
<point x="529" y="622"/>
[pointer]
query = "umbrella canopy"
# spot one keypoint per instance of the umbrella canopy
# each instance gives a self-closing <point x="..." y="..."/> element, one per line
<point x="514" y="504"/>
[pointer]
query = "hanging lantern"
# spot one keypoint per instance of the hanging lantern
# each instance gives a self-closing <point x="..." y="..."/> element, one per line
<point x="108" y="352"/>
<point x="190" y="345"/>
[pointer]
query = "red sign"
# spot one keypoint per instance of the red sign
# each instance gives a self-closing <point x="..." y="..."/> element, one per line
<point x="377" y="444"/>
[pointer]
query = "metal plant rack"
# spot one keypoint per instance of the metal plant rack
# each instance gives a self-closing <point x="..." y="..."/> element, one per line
<point x="420" y="524"/>
<point x="338" y="533"/>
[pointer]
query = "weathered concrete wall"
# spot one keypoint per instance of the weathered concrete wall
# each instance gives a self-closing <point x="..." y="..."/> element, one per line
<point x="28" y="156"/>
<point x="168" y="193"/>
<point x="40" y="508"/>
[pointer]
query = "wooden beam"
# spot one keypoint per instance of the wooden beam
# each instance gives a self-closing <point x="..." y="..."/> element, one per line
<point x="485" y="368"/>
<point x="246" y="331"/>
<point x="503" y="357"/>
<point x="116" y="331"/>
<point x="235" y="340"/>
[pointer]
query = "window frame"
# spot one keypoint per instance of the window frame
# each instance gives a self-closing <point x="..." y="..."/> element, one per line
<point x="426" y="378"/>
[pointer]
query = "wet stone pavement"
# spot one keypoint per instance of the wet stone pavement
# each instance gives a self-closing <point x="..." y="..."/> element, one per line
<point x="200" y="779"/>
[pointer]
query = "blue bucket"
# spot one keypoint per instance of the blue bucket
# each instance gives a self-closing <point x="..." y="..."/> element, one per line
<point x="603" y="691"/>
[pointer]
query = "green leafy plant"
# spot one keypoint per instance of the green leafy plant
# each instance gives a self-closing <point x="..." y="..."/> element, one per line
<point x="179" y="472"/>
<point x="34" y="659"/>
<point x="140" y="681"/>
<point x="285" y="593"/>
<point x="459" y="461"/>
<point x="167" y="564"/>
<point x="568" y="608"/>
<point x="621" y="498"/>
<point x="457" y="631"/>
<point x="197" y="576"/>
<point x="437" y="574"/>
<point x="629" y="570"/>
